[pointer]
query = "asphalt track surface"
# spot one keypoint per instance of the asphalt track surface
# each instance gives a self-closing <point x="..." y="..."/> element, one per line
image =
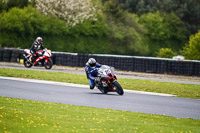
<point x="81" y="95"/>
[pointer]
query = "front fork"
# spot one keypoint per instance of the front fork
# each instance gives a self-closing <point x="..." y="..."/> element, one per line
<point x="111" y="86"/>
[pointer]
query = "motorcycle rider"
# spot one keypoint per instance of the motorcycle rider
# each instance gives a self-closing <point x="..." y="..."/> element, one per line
<point x="36" y="46"/>
<point x="91" y="71"/>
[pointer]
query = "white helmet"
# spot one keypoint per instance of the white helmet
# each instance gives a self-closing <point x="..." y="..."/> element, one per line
<point x="92" y="62"/>
<point x="39" y="39"/>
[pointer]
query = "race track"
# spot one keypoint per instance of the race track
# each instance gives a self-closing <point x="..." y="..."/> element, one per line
<point x="82" y="95"/>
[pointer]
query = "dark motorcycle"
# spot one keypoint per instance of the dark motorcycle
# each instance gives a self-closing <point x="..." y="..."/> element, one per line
<point x="106" y="80"/>
<point x="43" y="60"/>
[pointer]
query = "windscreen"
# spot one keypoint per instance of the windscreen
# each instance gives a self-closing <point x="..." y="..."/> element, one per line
<point x="107" y="69"/>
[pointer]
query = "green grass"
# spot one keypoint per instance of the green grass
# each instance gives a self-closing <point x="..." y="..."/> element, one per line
<point x="18" y="115"/>
<point x="181" y="90"/>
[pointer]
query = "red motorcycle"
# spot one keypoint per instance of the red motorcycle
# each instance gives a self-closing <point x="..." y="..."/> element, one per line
<point x="106" y="80"/>
<point x="42" y="60"/>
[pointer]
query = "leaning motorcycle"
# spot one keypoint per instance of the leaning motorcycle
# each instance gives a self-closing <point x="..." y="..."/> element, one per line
<point x="106" y="80"/>
<point x="43" y="60"/>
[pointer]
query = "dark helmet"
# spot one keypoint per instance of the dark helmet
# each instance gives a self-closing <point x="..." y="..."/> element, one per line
<point x="92" y="62"/>
<point x="39" y="40"/>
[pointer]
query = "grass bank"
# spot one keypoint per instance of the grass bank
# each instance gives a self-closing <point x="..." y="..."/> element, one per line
<point x="181" y="90"/>
<point x="18" y="115"/>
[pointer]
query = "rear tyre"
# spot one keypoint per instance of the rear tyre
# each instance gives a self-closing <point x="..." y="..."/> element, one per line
<point x="27" y="64"/>
<point x="119" y="89"/>
<point x="48" y="64"/>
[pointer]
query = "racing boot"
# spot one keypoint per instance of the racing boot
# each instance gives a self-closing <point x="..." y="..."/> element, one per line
<point x="92" y="84"/>
<point x="92" y="87"/>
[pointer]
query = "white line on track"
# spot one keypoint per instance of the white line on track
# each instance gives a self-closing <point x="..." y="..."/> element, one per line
<point x="78" y="85"/>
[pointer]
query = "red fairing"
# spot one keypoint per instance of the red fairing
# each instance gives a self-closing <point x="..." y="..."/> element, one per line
<point x="39" y="58"/>
<point x="46" y="60"/>
<point x="113" y="77"/>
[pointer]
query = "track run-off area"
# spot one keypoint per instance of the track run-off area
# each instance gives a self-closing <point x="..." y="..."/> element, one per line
<point x="73" y="94"/>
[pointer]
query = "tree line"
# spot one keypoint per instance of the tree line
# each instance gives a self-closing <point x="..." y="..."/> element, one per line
<point x="129" y="27"/>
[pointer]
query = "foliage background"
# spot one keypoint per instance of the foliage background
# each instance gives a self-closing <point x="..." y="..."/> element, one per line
<point x="128" y="27"/>
<point x="192" y="50"/>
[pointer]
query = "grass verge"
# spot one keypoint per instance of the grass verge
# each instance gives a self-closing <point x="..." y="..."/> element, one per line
<point x="18" y="115"/>
<point x="181" y="90"/>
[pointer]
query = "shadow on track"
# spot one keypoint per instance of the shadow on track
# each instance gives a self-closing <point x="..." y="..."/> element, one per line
<point x="110" y="94"/>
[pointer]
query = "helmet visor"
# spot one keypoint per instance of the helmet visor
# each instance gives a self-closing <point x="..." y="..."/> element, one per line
<point x="93" y="64"/>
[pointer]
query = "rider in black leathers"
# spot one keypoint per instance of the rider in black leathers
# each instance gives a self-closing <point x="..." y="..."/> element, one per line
<point x="36" y="46"/>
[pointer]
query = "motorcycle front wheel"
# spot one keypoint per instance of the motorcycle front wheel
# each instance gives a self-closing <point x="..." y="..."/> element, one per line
<point x="48" y="64"/>
<point x="119" y="89"/>
<point x="27" y="64"/>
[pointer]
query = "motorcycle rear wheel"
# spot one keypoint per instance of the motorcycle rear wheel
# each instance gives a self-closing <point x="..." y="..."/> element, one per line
<point x="27" y="64"/>
<point x="119" y="89"/>
<point x="48" y="64"/>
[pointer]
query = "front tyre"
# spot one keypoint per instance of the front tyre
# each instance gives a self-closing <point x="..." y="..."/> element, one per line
<point x="119" y="89"/>
<point x="48" y="64"/>
<point x="27" y="63"/>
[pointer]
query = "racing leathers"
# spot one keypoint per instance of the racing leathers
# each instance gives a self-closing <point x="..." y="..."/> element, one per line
<point x="91" y="73"/>
<point x="36" y="46"/>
